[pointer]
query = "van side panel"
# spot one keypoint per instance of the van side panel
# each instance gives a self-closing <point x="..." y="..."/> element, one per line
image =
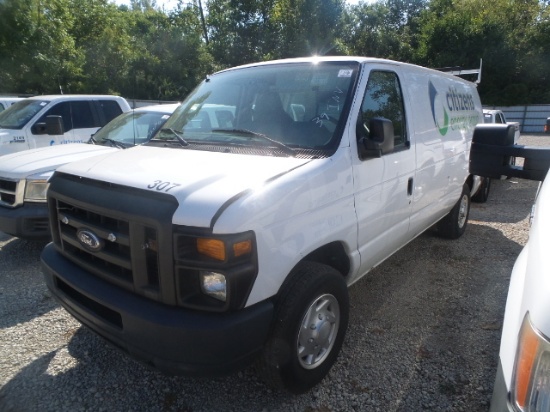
<point x="446" y="110"/>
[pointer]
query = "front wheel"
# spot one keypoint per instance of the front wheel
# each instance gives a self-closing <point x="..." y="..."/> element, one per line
<point x="309" y="328"/>
<point x="454" y="224"/>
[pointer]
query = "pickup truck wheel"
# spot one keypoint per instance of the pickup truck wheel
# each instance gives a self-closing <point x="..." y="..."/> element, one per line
<point x="454" y="224"/>
<point x="483" y="192"/>
<point x="310" y="323"/>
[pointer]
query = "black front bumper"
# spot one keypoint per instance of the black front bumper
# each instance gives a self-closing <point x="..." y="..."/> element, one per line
<point x="30" y="221"/>
<point x="500" y="401"/>
<point x="172" y="339"/>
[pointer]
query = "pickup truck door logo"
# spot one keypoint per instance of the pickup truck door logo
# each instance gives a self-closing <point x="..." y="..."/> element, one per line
<point x="89" y="240"/>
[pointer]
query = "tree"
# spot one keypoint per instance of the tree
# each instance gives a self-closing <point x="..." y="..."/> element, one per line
<point x="37" y="52"/>
<point x="463" y="32"/>
<point x="240" y="31"/>
<point x="387" y="29"/>
<point x="307" y="27"/>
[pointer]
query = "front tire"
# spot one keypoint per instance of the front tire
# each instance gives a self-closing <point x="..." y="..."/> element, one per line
<point x="454" y="224"/>
<point x="309" y="327"/>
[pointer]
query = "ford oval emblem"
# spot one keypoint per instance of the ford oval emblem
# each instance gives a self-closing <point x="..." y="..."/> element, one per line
<point x="89" y="240"/>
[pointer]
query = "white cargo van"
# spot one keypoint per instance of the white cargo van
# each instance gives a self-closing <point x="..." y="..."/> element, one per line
<point x="42" y="121"/>
<point x="24" y="175"/>
<point x="217" y="244"/>
<point x="522" y="381"/>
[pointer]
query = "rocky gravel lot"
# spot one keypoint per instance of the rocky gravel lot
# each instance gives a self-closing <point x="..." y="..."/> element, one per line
<point x="424" y="333"/>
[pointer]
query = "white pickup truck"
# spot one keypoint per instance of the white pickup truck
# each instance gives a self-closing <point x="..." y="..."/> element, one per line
<point x="233" y="234"/>
<point x="43" y="121"/>
<point x="24" y="175"/>
<point x="522" y="381"/>
<point x="494" y="116"/>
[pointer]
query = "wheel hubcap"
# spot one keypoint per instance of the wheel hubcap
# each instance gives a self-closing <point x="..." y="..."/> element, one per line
<point x="318" y="331"/>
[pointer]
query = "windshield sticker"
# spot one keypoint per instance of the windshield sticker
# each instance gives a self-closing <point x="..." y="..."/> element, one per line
<point x="43" y="104"/>
<point x="345" y="73"/>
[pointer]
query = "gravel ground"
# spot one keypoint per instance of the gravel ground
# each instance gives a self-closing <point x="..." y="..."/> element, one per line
<point x="424" y="333"/>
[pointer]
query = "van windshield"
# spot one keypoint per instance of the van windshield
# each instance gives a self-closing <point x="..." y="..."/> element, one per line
<point x="130" y="128"/>
<point x="19" y="114"/>
<point x="284" y="109"/>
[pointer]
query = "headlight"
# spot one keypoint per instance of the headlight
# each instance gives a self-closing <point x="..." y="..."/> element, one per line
<point x="214" y="272"/>
<point x="36" y="186"/>
<point x="531" y="381"/>
<point x="214" y="284"/>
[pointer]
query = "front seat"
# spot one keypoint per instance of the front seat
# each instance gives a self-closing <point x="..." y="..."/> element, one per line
<point x="269" y="117"/>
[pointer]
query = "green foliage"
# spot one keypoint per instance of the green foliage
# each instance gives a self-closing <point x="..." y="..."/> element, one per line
<point x="386" y="29"/>
<point x="307" y="27"/>
<point x="497" y="31"/>
<point x="37" y="51"/>
<point x="141" y="51"/>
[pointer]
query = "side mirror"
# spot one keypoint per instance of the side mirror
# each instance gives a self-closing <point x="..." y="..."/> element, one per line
<point x="39" y="128"/>
<point x="375" y="140"/>
<point x="493" y="149"/>
<point x="54" y="125"/>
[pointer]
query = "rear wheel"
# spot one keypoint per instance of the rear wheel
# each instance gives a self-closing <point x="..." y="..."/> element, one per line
<point x="454" y="224"/>
<point x="309" y="328"/>
<point x="482" y="194"/>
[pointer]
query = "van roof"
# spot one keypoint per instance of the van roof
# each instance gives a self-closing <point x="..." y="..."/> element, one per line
<point x="74" y="97"/>
<point x="355" y="59"/>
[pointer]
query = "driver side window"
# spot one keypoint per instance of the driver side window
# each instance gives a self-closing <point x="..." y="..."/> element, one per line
<point x="384" y="98"/>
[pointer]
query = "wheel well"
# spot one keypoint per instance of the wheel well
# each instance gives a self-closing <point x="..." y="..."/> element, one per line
<point x="332" y="254"/>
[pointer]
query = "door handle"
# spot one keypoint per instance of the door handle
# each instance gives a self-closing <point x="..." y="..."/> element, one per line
<point x="410" y="186"/>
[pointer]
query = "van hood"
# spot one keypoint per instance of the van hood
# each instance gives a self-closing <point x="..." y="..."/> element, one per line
<point x="202" y="182"/>
<point x="22" y="164"/>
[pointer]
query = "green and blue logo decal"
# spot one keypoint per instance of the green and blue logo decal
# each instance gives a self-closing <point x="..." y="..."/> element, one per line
<point x="456" y="110"/>
<point x="442" y="128"/>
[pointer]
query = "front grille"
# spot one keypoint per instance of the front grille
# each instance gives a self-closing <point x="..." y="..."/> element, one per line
<point x="115" y="233"/>
<point x="113" y="260"/>
<point x="11" y="193"/>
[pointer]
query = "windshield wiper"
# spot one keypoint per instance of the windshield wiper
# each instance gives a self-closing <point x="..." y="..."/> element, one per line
<point x="114" y="143"/>
<point x="245" y="132"/>
<point x="177" y="134"/>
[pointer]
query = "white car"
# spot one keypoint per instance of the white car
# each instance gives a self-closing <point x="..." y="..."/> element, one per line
<point x="24" y="176"/>
<point x="522" y="381"/>
<point x="523" y="376"/>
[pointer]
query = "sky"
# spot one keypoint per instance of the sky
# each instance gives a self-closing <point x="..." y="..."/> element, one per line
<point x="171" y="4"/>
